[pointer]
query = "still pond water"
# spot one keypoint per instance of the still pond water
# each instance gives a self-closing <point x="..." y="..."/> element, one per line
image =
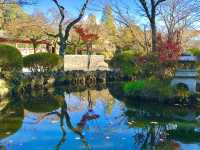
<point x="96" y="120"/>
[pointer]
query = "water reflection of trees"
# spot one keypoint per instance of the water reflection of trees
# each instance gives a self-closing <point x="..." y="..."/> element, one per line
<point x="40" y="102"/>
<point x="64" y="118"/>
<point x="11" y="119"/>
<point x="103" y="95"/>
<point x="2" y="147"/>
<point x="77" y="130"/>
<point x="156" y="127"/>
<point x="160" y="127"/>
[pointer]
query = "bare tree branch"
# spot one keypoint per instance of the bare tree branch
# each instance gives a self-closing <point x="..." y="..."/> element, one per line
<point x="63" y="37"/>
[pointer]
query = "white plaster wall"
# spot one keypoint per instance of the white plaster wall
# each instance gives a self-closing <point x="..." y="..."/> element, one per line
<point x="80" y="62"/>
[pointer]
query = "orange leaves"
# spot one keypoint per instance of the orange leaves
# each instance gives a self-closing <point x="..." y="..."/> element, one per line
<point x="85" y="35"/>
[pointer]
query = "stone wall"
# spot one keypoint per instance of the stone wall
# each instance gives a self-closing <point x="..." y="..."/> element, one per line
<point x="81" y="62"/>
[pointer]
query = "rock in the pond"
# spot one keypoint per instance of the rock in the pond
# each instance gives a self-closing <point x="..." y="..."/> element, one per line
<point x="3" y="104"/>
<point x="54" y="121"/>
<point x="4" y="88"/>
<point x="7" y="133"/>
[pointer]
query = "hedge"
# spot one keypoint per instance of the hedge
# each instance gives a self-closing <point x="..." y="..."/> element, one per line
<point x="41" y="62"/>
<point x="10" y="58"/>
<point x="11" y="63"/>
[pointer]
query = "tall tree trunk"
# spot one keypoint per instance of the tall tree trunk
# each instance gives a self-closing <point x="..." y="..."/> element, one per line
<point x="64" y="36"/>
<point x="34" y="43"/>
<point x="62" y="48"/>
<point x="150" y="11"/>
<point x="154" y="36"/>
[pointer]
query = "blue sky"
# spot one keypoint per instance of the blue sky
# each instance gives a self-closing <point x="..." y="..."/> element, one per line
<point x="73" y="6"/>
<point x="46" y="4"/>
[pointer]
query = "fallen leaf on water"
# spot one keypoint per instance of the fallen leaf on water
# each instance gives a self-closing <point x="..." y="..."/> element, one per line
<point x="54" y="121"/>
<point x="77" y="138"/>
<point x="154" y="122"/>
<point x="129" y="123"/>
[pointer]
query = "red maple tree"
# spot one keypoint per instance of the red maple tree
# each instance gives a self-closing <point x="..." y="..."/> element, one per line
<point x="85" y="35"/>
<point x="168" y="50"/>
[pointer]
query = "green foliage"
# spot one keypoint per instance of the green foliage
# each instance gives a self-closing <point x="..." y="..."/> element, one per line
<point x="126" y="63"/>
<point x="134" y="86"/>
<point x="150" y="67"/>
<point x="108" y="19"/>
<point x="133" y="63"/>
<point x="184" y="135"/>
<point x="42" y="62"/>
<point x="195" y="51"/>
<point x="11" y="61"/>
<point x="154" y="68"/>
<point x="151" y="88"/>
<point x="10" y="58"/>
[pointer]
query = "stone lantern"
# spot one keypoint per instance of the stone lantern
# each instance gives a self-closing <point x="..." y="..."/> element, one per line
<point x="186" y="74"/>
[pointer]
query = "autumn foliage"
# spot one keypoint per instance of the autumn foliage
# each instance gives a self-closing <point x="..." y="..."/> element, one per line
<point x="85" y="35"/>
<point x="168" y="50"/>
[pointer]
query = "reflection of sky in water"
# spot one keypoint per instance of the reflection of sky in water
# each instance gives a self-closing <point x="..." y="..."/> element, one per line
<point x="110" y="131"/>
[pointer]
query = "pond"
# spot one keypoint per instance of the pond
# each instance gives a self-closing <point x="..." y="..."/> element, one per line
<point x="97" y="120"/>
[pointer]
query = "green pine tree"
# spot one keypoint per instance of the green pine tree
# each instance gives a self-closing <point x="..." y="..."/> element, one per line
<point x="108" y="20"/>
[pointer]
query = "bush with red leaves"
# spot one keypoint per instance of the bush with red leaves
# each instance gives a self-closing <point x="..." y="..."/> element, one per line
<point x="168" y="50"/>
